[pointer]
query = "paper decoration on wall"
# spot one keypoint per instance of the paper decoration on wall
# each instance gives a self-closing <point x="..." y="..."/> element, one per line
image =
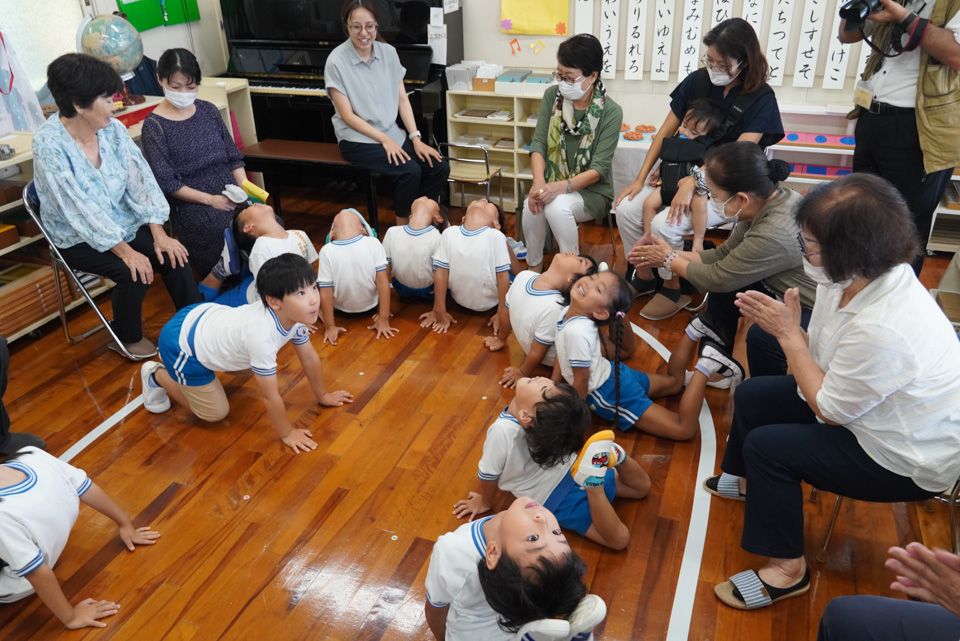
<point x="537" y="46"/>
<point x="662" y="40"/>
<point x="583" y="16"/>
<point x="753" y="13"/>
<point x="144" y="14"/>
<point x="609" y="35"/>
<point x="722" y="10"/>
<point x="835" y="73"/>
<point x="808" y="48"/>
<point x="778" y="42"/>
<point x="534" y="17"/>
<point x="690" y="37"/>
<point x="513" y="43"/>
<point x="636" y="39"/>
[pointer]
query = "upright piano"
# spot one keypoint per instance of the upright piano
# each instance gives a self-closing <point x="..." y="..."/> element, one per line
<point x="281" y="47"/>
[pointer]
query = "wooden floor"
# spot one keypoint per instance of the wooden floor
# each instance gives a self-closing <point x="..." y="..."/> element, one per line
<point x="261" y="544"/>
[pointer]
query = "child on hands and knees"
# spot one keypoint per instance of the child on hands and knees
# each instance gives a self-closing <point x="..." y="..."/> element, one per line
<point x="473" y="262"/>
<point x="613" y="390"/>
<point x="531" y="450"/>
<point x="258" y="234"/>
<point x="516" y="564"/>
<point x="40" y="500"/>
<point x="203" y="339"/>
<point x="410" y="249"/>
<point x="530" y="312"/>
<point x="352" y="274"/>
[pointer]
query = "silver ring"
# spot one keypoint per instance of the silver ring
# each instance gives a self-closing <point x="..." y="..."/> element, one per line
<point x="761" y="307"/>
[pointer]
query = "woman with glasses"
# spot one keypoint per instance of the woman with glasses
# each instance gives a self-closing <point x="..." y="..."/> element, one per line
<point x="572" y="151"/>
<point x="870" y="410"/>
<point x="760" y="254"/>
<point x="734" y="74"/>
<point x="364" y="79"/>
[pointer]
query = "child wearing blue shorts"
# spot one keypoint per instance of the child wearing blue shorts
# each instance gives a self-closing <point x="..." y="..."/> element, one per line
<point x="410" y="249"/>
<point x="531" y="450"/>
<point x="203" y="339"/>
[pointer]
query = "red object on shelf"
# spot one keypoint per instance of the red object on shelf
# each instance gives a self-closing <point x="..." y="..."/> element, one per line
<point x="131" y="118"/>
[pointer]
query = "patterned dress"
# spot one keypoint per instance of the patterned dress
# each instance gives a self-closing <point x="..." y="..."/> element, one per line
<point x="197" y="152"/>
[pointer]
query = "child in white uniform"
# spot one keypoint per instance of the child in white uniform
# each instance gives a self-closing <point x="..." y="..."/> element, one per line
<point x="530" y="312"/>
<point x="352" y="275"/>
<point x="473" y="262"/>
<point x="530" y="450"/>
<point x="479" y="571"/>
<point x="410" y="250"/>
<point x="203" y="339"/>
<point x="40" y="500"/>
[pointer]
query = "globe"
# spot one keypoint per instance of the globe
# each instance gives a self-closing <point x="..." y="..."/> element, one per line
<point x="113" y="40"/>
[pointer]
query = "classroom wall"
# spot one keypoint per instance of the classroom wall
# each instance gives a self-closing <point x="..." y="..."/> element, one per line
<point x="646" y="101"/>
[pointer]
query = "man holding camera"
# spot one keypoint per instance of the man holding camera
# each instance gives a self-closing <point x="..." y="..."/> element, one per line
<point x="908" y="100"/>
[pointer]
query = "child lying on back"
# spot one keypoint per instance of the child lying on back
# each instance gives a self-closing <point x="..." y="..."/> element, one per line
<point x="410" y="249"/>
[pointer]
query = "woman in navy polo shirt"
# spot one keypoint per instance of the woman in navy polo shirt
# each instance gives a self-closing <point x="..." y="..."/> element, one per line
<point x="358" y="77"/>
<point x="734" y="74"/>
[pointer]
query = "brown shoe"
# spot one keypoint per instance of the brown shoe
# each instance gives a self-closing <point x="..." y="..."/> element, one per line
<point x="661" y="307"/>
<point x="140" y="350"/>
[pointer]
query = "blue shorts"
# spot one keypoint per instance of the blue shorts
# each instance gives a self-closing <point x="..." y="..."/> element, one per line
<point x="412" y="292"/>
<point x="184" y="368"/>
<point x="634" y="386"/>
<point x="235" y="296"/>
<point x="570" y="505"/>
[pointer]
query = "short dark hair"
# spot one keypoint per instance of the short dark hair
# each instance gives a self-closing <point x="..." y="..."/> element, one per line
<point x="283" y="275"/>
<point x="742" y="166"/>
<point x="583" y="51"/>
<point x="349" y="6"/>
<point x="705" y="112"/>
<point x="77" y="80"/>
<point x="593" y="269"/>
<point x="862" y="224"/>
<point x="178" y="60"/>
<point x="735" y="38"/>
<point x="551" y="589"/>
<point x="559" y="423"/>
<point x="244" y="240"/>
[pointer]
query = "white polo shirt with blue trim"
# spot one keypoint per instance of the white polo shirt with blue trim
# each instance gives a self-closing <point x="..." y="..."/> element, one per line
<point x="578" y="346"/>
<point x="474" y="257"/>
<point x="534" y="314"/>
<point x="410" y="254"/>
<point x="350" y="267"/>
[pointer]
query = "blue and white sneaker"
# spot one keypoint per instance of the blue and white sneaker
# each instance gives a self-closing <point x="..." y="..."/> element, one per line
<point x="519" y="249"/>
<point x="155" y="399"/>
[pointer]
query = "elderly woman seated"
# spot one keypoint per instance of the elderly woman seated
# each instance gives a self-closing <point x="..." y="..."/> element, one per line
<point x="872" y="409"/>
<point x="99" y="200"/>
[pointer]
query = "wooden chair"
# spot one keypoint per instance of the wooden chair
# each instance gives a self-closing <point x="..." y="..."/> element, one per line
<point x="471" y="171"/>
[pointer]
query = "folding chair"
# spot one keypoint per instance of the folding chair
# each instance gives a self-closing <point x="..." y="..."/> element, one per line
<point x="32" y="203"/>
<point x="471" y="171"/>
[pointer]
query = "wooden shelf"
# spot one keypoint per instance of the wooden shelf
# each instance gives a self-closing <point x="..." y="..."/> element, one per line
<point x="27" y="241"/>
<point x="46" y="319"/>
<point x="9" y="206"/>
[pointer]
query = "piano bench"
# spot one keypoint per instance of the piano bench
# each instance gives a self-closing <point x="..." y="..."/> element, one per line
<point x="312" y="159"/>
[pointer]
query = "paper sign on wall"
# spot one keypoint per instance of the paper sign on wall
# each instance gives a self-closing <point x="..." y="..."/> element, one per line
<point x="583" y="16"/>
<point x="449" y="6"/>
<point x="636" y="40"/>
<point x="535" y="17"/>
<point x="609" y="34"/>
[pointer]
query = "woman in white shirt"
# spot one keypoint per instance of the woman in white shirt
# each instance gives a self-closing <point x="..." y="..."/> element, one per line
<point x="872" y="409"/>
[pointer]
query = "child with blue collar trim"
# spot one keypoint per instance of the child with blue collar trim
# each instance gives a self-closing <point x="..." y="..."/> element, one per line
<point x="203" y="339"/>
<point x="352" y="276"/>
<point x="516" y="564"/>
<point x="531" y="450"/>
<point x="613" y="390"/>
<point x="40" y="500"/>
<point x="473" y="263"/>
<point x="410" y="249"/>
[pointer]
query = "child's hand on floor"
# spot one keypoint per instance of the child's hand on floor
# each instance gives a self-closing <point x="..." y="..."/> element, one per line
<point x="439" y="321"/>
<point x="137" y="536"/>
<point x="331" y="334"/>
<point x="493" y="343"/>
<point x="336" y="399"/>
<point x="299" y="440"/>
<point x="86" y="613"/>
<point x="472" y="506"/>
<point x="312" y="329"/>
<point x="382" y="326"/>
<point x="494" y="322"/>
<point x="510" y="377"/>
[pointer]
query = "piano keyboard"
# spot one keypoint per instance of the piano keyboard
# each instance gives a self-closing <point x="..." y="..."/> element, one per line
<point x="287" y="91"/>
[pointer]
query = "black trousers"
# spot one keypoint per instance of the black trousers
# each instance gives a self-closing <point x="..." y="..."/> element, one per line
<point x="874" y="618"/>
<point x="765" y="357"/>
<point x="888" y="145"/>
<point x="414" y="178"/>
<point x="4" y="417"/>
<point x="128" y="294"/>
<point x="776" y="442"/>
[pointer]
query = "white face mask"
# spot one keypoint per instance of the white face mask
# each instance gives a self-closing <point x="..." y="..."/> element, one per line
<point x="720" y="210"/>
<point x="180" y="99"/>
<point x="573" y="90"/>
<point x="722" y="78"/>
<point x="819" y="275"/>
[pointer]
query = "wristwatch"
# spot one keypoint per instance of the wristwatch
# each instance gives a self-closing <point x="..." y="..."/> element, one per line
<point x="416" y="134"/>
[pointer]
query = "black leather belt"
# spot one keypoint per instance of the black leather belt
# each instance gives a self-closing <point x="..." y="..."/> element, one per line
<point x="883" y="109"/>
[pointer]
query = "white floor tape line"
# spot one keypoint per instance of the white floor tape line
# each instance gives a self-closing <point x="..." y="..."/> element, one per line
<point x="101" y="429"/>
<point x="682" y="612"/>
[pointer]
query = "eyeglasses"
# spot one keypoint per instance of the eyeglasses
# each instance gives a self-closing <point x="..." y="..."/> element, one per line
<point x="357" y="28"/>
<point x="803" y="246"/>
<point x="717" y="66"/>
<point x="559" y="77"/>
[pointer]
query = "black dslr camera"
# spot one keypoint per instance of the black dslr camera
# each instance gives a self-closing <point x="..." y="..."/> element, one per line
<point x="856" y="11"/>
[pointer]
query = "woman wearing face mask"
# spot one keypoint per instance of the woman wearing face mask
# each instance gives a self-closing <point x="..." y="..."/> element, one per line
<point x="734" y="74"/>
<point x="870" y="410"/>
<point x="760" y="254"/>
<point x="193" y="157"/>
<point x="572" y="151"/>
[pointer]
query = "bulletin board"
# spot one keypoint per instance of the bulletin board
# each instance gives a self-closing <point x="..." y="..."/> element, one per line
<point x="535" y="17"/>
<point x="148" y="14"/>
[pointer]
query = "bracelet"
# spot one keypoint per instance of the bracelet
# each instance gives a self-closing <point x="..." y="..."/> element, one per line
<point x="415" y="134"/>
<point x="569" y="186"/>
<point x="669" y="259"/>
